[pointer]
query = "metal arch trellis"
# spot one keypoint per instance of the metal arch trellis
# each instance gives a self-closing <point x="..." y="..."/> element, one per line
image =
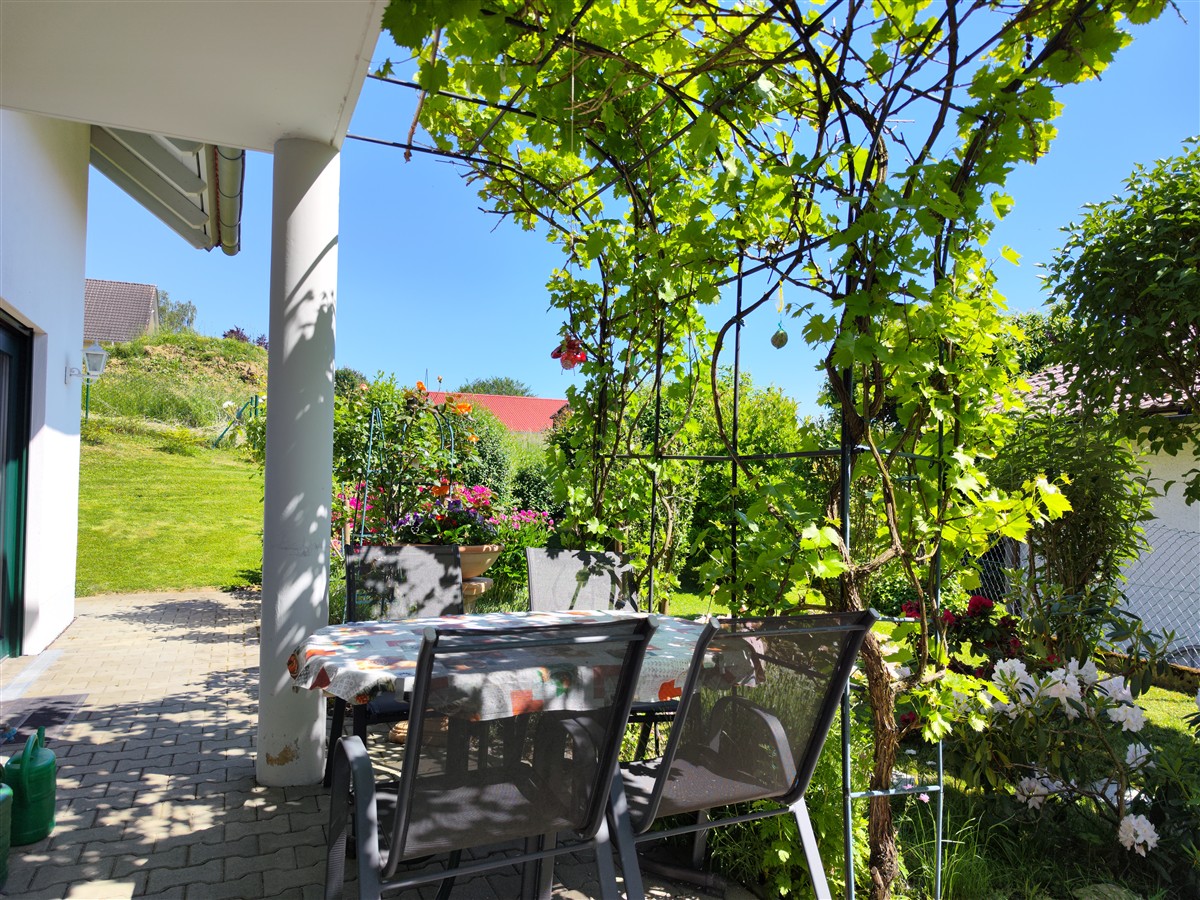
<point x="376" y="427"/>
<point x="845" y="454"/>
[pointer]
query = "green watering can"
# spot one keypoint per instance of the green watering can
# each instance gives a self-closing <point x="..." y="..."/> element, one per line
<point x="31" y="777"/>
<point x="6" y="799"/>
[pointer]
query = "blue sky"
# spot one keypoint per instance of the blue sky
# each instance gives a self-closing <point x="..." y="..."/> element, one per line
<point x="430" y="285"/>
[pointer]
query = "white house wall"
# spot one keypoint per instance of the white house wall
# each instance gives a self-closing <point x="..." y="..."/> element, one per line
<point x="1163" y="585"/>
<point x="43" y="222"/>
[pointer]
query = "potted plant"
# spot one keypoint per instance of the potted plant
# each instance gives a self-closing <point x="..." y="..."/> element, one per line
<point x="455" y="514"/>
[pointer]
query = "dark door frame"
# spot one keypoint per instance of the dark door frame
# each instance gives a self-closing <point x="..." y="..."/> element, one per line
<point x="16" y="344"/>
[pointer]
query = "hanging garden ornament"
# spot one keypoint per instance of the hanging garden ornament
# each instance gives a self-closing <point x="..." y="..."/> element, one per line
<point x="780" y="337"/>
<point x="570" y="352"/>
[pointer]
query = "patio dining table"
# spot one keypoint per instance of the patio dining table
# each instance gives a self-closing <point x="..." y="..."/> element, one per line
<point x="357" y="660"/>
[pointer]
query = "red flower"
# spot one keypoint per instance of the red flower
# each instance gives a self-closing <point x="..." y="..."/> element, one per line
<point x="979" y="606"/>
<point x="948" y="618"/>
<point x="909" y="718"/>
<point x="910" y="609"/>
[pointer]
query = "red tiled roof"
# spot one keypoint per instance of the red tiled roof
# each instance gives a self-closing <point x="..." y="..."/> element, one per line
<point x="529" y="414"/>
<point x="118" y="310"/>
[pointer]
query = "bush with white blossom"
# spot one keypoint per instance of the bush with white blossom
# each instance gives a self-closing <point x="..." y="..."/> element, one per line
<point x="1063" y="735"/>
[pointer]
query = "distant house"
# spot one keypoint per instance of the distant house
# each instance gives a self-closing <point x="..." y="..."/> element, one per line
<point x="1162" y="586"/>
<point x="118" y="310"/>
<point x="520" y="415"/>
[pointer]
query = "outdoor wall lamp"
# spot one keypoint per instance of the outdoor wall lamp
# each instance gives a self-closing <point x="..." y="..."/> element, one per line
<point x="95" y="358"/>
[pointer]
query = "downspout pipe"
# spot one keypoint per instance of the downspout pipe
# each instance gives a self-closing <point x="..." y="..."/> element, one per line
<point x="230" y="165"/>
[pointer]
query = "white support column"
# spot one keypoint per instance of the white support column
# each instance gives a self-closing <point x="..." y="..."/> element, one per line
<point x="295" y="595"/>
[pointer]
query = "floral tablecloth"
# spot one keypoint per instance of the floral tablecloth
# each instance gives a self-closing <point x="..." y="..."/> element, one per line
<point x="357" y="660"/>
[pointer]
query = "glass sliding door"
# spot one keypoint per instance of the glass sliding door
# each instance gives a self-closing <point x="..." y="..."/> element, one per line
<point x="14" y="449"/>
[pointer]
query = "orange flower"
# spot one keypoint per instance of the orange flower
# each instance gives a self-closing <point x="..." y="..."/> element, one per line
<point x="473" y="438"/>
<point x="421" y="386"/>
<point x="440" y="490"/>
<point x="462" y="408"/>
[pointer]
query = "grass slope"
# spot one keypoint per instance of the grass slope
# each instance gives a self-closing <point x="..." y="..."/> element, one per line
<point x="157" y="511"/>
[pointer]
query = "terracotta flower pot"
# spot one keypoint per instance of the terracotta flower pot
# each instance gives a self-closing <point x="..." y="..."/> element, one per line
<point x="477" y="557"/>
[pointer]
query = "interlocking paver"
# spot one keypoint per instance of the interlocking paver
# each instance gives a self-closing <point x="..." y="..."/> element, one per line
<point x="157" y="794"/>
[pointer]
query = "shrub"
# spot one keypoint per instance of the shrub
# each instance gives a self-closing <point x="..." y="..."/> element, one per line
<point x="237" y="334"/>
<point x="490" y="464"/>
<point x="510" y="574"/>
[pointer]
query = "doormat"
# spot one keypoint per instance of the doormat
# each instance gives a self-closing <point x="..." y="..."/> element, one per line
<point x="20" y="719"/>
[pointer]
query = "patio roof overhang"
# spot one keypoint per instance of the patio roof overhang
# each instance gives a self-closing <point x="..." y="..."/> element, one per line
<point x="177" y="91"/>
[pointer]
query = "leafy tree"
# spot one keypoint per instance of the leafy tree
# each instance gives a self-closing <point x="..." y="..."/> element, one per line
<point x="1129" y="279"/>
<point x="500" y="384"/>
<point x="490" y="464"/>
<point x="1041" y="334"/>
<point x="346" y="380"/>
<point x="1108" y="492"/>
<point x="666" y="147"/>
<point x="175" y="316"/>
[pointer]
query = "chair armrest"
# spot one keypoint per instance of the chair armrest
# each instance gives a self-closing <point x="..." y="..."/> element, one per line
<point x="352" y="793"/>
<point x="749" y="738"/>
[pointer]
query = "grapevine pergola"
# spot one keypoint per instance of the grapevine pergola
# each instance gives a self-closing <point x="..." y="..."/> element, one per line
<point x="852" y="153"/>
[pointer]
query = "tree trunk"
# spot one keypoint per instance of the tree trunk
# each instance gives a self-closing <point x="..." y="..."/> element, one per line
<point x="884" y="860"/>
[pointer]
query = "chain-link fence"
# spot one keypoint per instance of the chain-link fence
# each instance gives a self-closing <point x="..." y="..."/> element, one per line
<point x="1163" y="588"/>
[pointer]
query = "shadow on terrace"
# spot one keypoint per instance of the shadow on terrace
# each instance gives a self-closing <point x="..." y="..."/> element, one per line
<point x="156" y="788"/>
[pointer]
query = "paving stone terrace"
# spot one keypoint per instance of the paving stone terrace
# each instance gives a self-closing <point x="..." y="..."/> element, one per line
<point x="156" y="788"/>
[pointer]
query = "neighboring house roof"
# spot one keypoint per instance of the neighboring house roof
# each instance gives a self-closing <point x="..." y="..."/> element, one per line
<point x="1050" y="385"/>
<point x="526" y="414"/>
<point x="118" y="310"/>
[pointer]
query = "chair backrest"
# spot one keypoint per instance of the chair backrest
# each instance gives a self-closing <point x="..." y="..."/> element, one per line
<point x="578" y="579"/>
<point x="403" y="581"/>
<point x="757" y="705"/>
<point x="555" y="700"/>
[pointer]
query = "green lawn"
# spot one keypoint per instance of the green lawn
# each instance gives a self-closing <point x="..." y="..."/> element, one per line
<point x="159" y="512"/>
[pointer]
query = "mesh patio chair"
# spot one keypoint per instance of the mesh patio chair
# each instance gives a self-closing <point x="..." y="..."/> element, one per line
<point x="551" y="791"/>
<point x="757" y="705"/>
<point x="585" y="579"/>
<point x="403" y="581"/>
<point x="578" y="579"/>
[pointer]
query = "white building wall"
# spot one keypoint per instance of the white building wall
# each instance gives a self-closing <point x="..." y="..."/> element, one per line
<point x="43" y="223"/>
<point x="1163" y="585"/>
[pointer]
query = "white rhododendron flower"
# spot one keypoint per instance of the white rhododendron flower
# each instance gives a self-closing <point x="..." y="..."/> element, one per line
<point x="1116" y="689"/>
<point x="1130" y="718"/>
<point x="1138" y="756"/>
<point x="1031" y="791"/>
<point x="1137" y="834"/>
<point x="1063" y="686"/>
<point x="1087" y="673"/>
<point x="1011" y="677"/>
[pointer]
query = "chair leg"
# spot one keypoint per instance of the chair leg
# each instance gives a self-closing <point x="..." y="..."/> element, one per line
<point x="700" y="841"/>
<point x="335" y="731"/>
<point x="644" y="739"/>
<point x="446" y="885"/>
<point x="604" y="862"/>
<point x="618" y="827"/>
<point x="812" y="854"/>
